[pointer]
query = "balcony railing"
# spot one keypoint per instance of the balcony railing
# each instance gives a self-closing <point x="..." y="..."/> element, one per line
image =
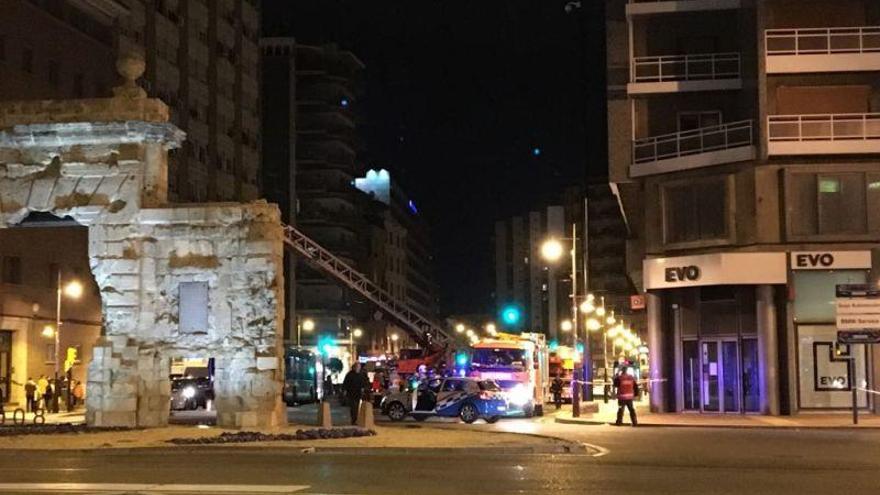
<point x="703" y="140"/>
<point x="824" y="127"/>
<point x="672" y="68"/>
<point x="822" y="41"/>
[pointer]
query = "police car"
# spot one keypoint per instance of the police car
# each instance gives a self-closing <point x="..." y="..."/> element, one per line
<point x="466" y="398"/>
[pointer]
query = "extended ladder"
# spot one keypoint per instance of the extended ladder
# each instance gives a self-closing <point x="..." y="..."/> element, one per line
<point x="423" y="330"/>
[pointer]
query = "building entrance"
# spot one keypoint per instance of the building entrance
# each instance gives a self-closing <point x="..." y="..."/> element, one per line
<point x="720" y="375"/>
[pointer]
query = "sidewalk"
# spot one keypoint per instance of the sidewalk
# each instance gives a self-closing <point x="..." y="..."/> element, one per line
<point x="608" y="415"/>
<point x="76" y="417"/>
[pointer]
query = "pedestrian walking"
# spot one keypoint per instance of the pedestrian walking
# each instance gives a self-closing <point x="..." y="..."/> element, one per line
<point x="627" y="388"/>
<point x="79" y="393"/>
<point x="30" y="395"/>
<point x="354" y="385"/>
<point x="556" y="390"/>
<point x="48" y="395"/>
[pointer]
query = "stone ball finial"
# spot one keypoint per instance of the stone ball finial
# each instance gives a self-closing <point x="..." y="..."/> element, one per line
<point x="130" y="66"/>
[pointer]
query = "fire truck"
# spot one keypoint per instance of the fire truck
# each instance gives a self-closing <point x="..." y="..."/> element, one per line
<point x="519" y="363"/>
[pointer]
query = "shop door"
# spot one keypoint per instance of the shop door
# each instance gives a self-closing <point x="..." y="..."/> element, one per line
<point x="721" y="388"/>
<point x="5" y="363"/>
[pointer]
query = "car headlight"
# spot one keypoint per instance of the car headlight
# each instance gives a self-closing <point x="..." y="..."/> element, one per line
<point x="189" y="392"/>
<point x="519" y="395"/>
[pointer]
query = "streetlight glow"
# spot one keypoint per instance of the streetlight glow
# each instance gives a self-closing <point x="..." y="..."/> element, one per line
<point x="490" y="327"/>
<point x="566" y="325"/>
<point x="48" y="331"/>
<point x="308" y="325"/>
<point x="394" y="337"/>
<point x="459" y="328"/>
<point x="593" y="324"/>
<point x="587" y="307"/>
<point x="469" y="333"/>
<point x="357" y="332"/>
<point x="552" y="250"/>
<point x="73" y="289"/>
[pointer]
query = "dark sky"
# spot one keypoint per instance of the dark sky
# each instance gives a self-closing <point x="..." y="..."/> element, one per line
<point x="457" y="94"/>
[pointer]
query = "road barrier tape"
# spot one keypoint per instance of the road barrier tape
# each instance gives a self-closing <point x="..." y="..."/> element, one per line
<point x="868" y="391"/>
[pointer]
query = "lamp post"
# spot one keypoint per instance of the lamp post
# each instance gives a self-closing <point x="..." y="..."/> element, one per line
<point x="552" y="251"/>
<point x="73" y="290"/>
<point x="355" y="334"/>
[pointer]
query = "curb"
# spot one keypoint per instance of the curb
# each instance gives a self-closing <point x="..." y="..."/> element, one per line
<point x="568" y="421"/>
<point x="287" y="450"/>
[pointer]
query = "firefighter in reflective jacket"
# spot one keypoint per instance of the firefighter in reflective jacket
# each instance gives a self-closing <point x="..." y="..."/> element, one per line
<point x="627" y="389"/>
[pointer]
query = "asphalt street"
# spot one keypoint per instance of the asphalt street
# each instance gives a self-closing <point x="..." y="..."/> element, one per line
<point x="627" y="461"/>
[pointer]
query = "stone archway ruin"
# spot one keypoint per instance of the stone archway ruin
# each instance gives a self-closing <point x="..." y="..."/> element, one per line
<point x="103" y="162"/>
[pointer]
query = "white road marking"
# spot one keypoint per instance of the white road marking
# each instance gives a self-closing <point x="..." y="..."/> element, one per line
<point x="151" y="488"/>
<point x="600" y="450"/>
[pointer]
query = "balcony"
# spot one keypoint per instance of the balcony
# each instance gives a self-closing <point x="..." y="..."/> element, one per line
<point x="823" y="134"/>
<point x="797" y="51"/>
<point x="697" y="148"/>
<point x="683" y="73"/>
<point x="643" y="7"/>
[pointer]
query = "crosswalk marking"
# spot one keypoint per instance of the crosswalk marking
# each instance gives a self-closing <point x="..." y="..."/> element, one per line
<point x="147" y="488"/>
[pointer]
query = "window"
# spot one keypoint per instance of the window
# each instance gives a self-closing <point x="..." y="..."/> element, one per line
<point x="54" y="71"/>
<point x="688" y="121"/>
<point x="832" y="204"/>
<point x="11" y="270"/>
<point x="695" y="211"/>
<point x="27" y="60"/>
<point x="49" y="356"/>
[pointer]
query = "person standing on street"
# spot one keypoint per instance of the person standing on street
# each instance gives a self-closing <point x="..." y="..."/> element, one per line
<point x="627" y="389"/>
<point x="354" y="385"/>
<point x="30" y="395"/>
<point x="556" y="390"/>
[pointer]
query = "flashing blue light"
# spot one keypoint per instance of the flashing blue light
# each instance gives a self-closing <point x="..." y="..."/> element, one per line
<point x="510" y="315"/>
<point x="554" y="345"/>
<point x="344" y="102"/>
<point x="312" y="371"/>
<point x="326" y="345"/>
<point x="536" y="151"/>
<point x="461" y="359"/>
<point x="580" y="348"/>
<point x="412" y="207"/>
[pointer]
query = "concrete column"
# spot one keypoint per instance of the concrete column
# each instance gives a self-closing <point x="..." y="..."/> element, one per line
<point x="656" y="352"/>
<point x="768" y="350"/>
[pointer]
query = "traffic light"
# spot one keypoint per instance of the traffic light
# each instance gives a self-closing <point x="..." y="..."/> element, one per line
<point x="326" y="345"/>
<point x="71" y="358"/>
<point x="511" y="315"/>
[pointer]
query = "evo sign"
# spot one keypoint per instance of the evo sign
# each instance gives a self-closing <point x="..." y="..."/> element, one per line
<point x="830" y="260"/>
<point x="714" y="269"/>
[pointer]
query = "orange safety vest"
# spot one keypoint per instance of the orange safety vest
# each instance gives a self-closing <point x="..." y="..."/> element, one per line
<point x="626" y="387"/>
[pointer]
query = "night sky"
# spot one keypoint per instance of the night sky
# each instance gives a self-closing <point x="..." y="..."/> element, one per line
<point x="457" y="96"/>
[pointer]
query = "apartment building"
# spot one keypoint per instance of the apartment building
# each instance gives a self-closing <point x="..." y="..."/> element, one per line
<point x="310" y="167"/>
<point x="402" y="254"/>
<point x="744" y="141"/>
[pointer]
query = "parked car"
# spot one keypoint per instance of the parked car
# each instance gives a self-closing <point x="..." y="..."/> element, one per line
<point x="466" y="398"/>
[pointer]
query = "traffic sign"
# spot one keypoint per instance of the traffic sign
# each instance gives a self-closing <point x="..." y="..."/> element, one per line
<point x="858" y="309"/>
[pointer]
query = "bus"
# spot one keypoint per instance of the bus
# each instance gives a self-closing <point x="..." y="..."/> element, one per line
<point x="300" y="376"/>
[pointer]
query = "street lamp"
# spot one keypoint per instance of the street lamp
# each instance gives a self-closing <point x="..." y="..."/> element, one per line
<point x="566" y="325"/>
<point x="73" y="290"/>
<point x="459" y="328"/>
<point x="356" y="333"/>
<point x="491" y="329"/>
<point x="308" y="325"/>
<point x="552" y="251"/>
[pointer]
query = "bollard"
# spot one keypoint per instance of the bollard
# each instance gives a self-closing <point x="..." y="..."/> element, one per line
<point x="324" y="418"/>
<point x="365" y="415"/>
<point x="576" y="401"/>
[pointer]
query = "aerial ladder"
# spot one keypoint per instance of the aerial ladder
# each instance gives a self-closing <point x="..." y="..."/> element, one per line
<point x="427" y="333"/>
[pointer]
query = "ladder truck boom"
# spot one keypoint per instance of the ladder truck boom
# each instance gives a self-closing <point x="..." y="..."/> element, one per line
<point x="426" y="332"/>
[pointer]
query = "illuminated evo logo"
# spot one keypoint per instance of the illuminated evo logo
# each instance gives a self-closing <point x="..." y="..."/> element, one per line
<point x="683" y="274"/>
<point x="811" y="260"/>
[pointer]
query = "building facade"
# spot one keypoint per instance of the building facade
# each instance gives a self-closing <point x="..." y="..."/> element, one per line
<point x="743" y="141"/>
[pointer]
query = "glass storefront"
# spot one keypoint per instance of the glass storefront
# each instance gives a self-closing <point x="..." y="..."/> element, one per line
<point x="825" y="378"/>
<point x="719" y="350"/>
